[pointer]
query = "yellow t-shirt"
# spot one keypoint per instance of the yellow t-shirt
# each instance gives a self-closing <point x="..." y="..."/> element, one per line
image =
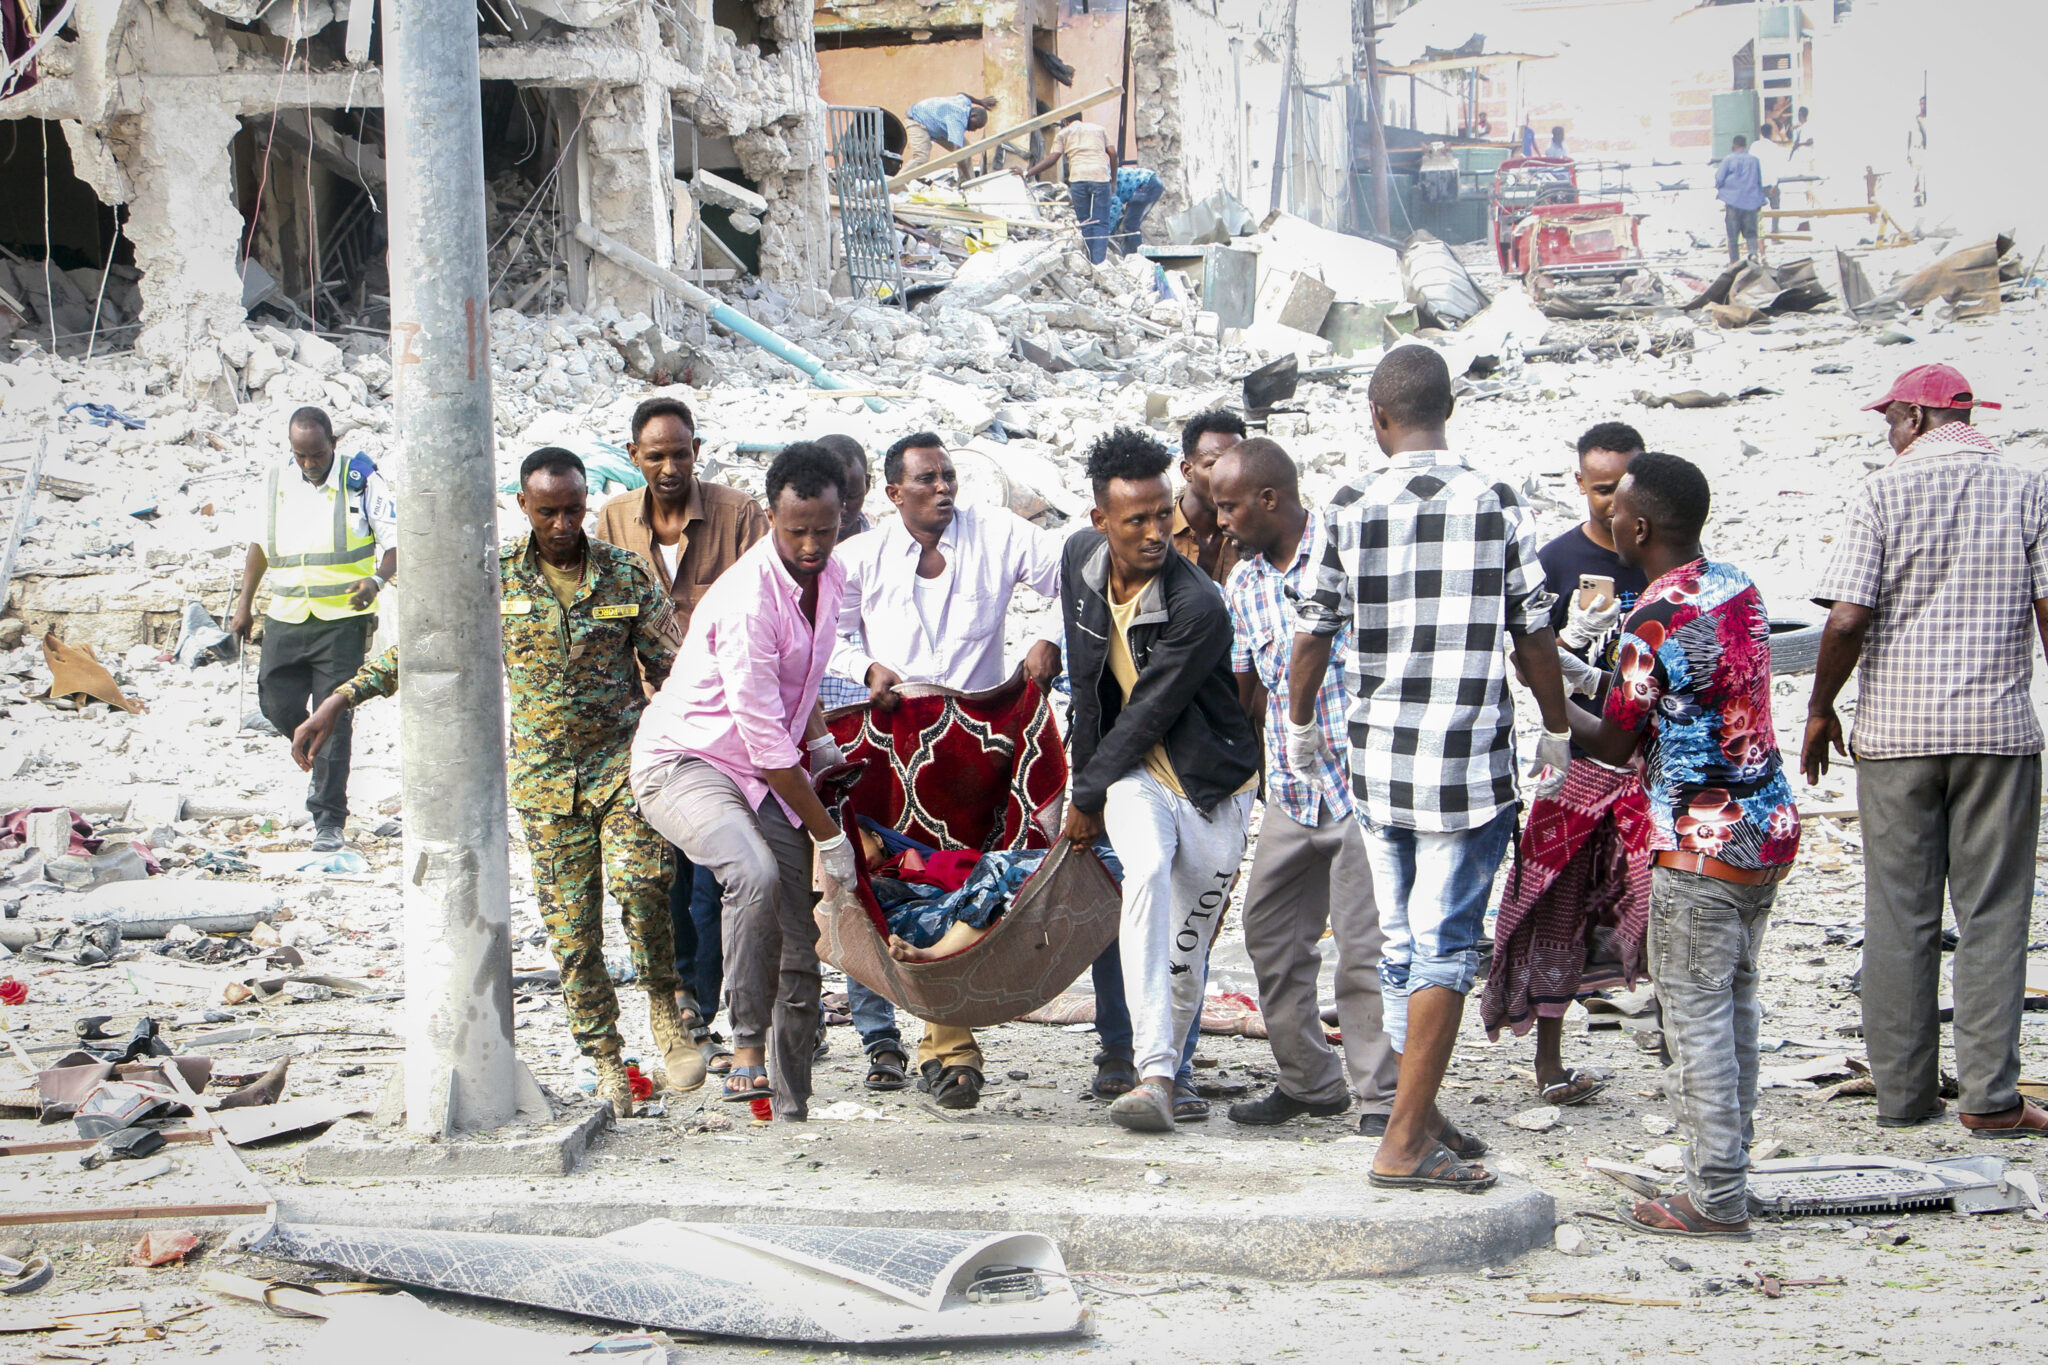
<point x="1086" y="147"/>
<point x="563" y="582"/>
<point x="1124" y="669"/>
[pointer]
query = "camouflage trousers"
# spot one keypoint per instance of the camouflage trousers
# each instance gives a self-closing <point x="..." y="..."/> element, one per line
<point x="569" y="852"/>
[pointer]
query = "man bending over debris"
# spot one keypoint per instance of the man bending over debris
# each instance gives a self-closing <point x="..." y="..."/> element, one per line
<point x="1434" y="567"/>
<point x="1692" y="689"/>
<point x="577" y="613"/>
<point x="325" y="537"/>
<point x="718" y="766"/>
<point x="1164" y="758"/>
<point x="945" y="120"/>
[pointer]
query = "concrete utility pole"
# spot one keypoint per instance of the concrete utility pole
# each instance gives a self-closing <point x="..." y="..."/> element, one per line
<point x="1366" y="44"/>
<point x="461" y="1074"/>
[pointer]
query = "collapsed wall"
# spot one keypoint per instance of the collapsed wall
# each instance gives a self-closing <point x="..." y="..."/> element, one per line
<point x="1186" y="122"/>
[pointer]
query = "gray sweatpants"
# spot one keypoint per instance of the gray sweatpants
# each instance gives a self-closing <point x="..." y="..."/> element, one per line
<point x="1288" y="902"/>
<point x="1967" y="824"/>
<point x="763" y="863"/>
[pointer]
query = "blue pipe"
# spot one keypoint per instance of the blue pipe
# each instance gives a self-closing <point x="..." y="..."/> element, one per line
<point x="733" y="320"/>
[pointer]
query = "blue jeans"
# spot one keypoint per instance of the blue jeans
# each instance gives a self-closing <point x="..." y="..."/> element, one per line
<point x="1432" y="887"/>
<point x="695" y="912"/>
<point x="874" y="1018"/>
<point x="1702" y="956"/>
<point x="1135" y="208"/>
<point x="1091" y="211"/>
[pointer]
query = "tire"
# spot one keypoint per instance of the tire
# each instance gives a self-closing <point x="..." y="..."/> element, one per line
<point x="1795" y="646"/>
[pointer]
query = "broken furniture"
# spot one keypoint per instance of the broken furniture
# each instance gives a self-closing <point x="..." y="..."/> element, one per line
<point x="867" y="228"/>
<point x="1226" y="277"/>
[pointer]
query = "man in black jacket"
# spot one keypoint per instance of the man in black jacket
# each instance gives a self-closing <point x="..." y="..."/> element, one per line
<point x="1164" y="759"/>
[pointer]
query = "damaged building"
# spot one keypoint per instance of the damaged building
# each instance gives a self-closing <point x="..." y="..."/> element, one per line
<point x="174" y="166"/>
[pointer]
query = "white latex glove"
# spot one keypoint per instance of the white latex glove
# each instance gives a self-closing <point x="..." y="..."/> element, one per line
<point x="1553" y="756"/>
<point x="825" y="753"/>
<point x="1587" y="624"/>
<point x="1581" y="679"/>
<point x="1306" y="750"/>
<point x="835" y="862"/>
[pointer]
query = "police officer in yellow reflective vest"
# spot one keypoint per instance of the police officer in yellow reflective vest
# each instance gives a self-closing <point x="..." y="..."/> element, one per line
<point x="325" y="536"/>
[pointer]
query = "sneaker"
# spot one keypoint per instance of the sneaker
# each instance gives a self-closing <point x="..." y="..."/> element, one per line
<point x="328" y="839"/>
<point x="1146" y="1108"/>
<point x="1276" y="1106"/>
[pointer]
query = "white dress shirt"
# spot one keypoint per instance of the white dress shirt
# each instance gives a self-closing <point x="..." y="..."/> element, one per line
<point x="988" y="554"/>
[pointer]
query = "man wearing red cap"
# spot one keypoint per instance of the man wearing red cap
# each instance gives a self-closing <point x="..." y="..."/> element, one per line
<point x="1939" y="585"/>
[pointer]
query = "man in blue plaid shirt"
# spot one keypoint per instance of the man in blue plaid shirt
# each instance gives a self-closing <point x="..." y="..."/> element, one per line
<point x="1434" y="566"/>
<point x="1310" y="840"/>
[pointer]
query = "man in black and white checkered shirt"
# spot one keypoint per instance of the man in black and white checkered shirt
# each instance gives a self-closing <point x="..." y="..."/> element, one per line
<point x="1937" y="596"/>
<point x="1435" y="567"/>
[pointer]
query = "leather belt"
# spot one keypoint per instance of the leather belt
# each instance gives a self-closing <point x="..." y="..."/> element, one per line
<point x="1720" y="871"/>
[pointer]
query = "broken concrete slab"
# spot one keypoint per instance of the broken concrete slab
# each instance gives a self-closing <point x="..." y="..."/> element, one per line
<point x="355" y="1151"/>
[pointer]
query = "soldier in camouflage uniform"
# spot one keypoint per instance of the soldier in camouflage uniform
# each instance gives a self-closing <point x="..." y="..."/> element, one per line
<point x="576" y="612"/>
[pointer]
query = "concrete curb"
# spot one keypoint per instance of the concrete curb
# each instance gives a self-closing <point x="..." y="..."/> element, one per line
<point x="342" y="1153"/>
<point x="1347" y="1232"/>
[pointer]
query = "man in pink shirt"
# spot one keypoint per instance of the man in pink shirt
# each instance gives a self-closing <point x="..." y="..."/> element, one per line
<point x="719" y="768"/>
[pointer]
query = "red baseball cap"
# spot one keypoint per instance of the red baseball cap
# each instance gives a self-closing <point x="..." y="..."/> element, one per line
<point x="1930" y="386"/>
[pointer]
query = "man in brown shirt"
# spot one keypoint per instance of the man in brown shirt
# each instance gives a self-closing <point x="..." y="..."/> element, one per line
<point x="1195" y="532"/>
<point x="687" y="530"/>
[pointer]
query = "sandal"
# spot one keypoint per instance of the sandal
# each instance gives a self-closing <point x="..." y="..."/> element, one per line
<point x="746" y="1092"/>
<point x="1462" y="1145"/>
<point x="953" y="1087"/>
<point x="885" y="1074"/>
<point x="1686" y="1222"/>
<point x="1113" y="1076"/>
<point x="1576" y="1088"/>
<point x="2031" y="1121"/>
<point x="1188" y="1105"/>
<point x="1439" y="1169"/>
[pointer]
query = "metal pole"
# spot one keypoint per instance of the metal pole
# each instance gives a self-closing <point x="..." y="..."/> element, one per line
<point x="461" y="1073"/>
<point x="1286" y="98"/>
<point x="1375" y="115"/>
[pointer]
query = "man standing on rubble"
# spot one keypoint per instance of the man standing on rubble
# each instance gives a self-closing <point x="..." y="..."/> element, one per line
<point x="1164" y="759"/>
<point x="1936" y="594"/>
<point x="927" y="596"/>
<point x="325" y="522"/>
<point x="945" y="120"/>
<point x="1309" y="841"/>
<point x="577" y="615"/>
<point x="1434" y="566"/>
<point x="1085" y="145"/>
<point x="1692" y="690"/>
<point x="1739" y="185"/>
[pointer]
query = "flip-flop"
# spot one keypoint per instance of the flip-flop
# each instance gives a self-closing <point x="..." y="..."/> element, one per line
<point x="893" y="1075"/>
<point x="1114" y="1076"/>
<point x="1561" y="1093"/>
<point x="1439" y="1169"/>
<point x="1462" y="1145"/>
<point x="750" y="1092"/>
<point x="1690" y="1225"/>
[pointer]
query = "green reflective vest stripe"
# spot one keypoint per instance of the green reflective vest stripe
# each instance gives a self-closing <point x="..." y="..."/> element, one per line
<point x="322" y="569"/>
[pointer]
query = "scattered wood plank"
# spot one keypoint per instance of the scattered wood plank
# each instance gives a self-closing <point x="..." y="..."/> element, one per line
<point x="139" y="1212"/>
<point x="1619" y="1300"/>
<point x="989" y="143"/>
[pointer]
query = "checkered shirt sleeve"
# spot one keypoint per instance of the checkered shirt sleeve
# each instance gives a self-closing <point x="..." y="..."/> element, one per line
<point x="1262" y="625"/>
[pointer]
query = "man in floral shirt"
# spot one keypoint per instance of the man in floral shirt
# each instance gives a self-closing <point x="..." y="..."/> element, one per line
<point x="1692" y="687"/>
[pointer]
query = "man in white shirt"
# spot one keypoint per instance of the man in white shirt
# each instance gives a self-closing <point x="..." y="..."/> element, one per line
<point x="926" y="599"/>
